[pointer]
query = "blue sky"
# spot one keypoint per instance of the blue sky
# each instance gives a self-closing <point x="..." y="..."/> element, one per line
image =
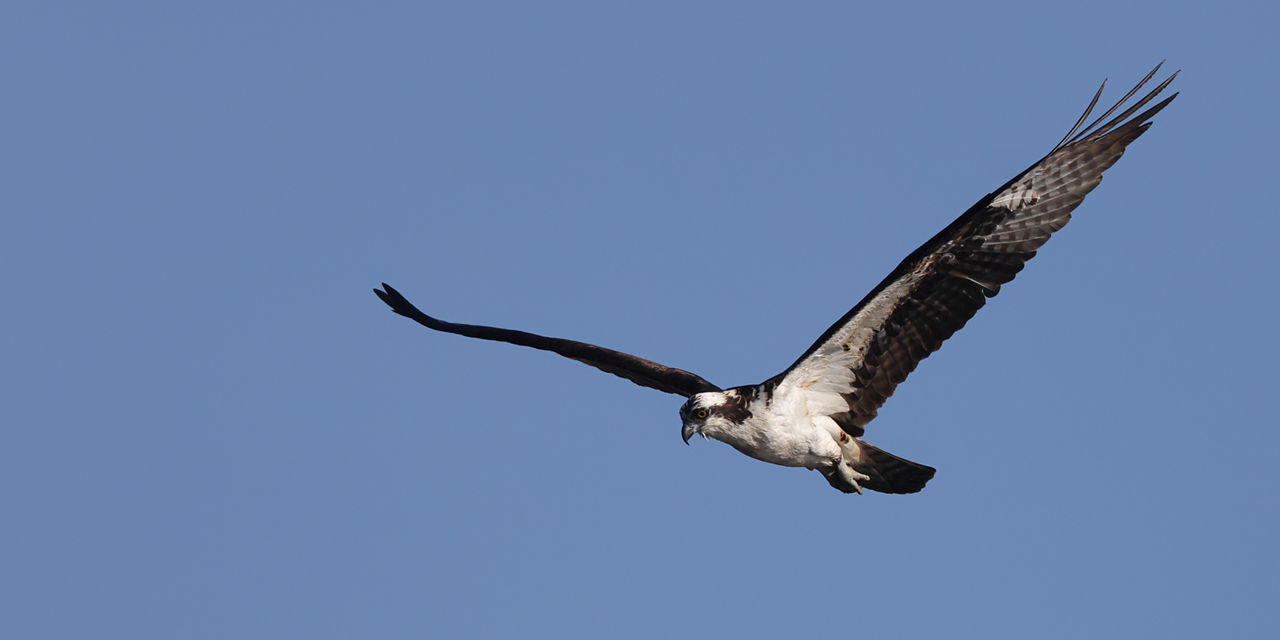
<point x="215" y="430"/>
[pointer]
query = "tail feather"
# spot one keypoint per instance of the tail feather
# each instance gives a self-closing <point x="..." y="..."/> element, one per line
<point x="888" y="473"/>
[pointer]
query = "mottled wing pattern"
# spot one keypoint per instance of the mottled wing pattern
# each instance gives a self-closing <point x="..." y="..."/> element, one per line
<point x="645" y="373"/>
<point x="855" y="366"/>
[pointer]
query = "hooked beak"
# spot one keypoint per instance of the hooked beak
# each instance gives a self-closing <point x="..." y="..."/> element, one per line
<point x="687" y="432"/>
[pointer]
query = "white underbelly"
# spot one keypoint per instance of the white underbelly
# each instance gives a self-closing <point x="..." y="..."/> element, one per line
<point x="789" y="443"/>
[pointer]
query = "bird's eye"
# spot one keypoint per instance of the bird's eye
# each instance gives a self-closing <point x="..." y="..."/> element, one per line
<point x="701" y="414"/>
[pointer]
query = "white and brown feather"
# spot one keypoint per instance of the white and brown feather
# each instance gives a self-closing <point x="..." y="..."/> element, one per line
<point x="940" y="286"/>
<point x="813" y="413"/>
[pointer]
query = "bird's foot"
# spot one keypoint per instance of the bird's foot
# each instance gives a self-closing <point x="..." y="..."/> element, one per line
<point x="845" y="478"/>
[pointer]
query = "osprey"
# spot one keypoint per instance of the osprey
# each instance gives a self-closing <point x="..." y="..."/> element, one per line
<point x="813" y="414"/>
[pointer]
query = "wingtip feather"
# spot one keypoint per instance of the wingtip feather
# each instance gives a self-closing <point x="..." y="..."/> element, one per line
<point x="396" y="301"/>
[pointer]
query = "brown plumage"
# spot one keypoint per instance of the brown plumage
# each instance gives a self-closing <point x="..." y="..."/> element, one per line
<point x="825" y="399"/>
<point x="951" y="276"/>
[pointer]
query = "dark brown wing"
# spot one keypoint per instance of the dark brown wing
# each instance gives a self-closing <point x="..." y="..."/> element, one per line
<point x="934" y="292"/>
<point x="643" y="372"/>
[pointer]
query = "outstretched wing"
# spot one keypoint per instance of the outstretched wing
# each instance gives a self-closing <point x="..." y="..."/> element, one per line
<point x="854" y="367"/>
<point x="645" y="373"/>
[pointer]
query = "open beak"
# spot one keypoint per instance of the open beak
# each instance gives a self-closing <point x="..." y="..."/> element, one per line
<point x="687" y="432"/>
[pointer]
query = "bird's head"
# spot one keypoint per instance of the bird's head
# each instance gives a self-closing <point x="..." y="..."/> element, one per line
<point x="703" y="412"/>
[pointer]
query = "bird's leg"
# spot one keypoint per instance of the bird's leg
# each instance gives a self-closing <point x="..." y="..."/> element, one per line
<point x="843" y="477"/>
<point x="850" y="476"/>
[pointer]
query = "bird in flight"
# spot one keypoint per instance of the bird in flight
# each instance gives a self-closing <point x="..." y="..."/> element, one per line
<point x="813" y="414"/>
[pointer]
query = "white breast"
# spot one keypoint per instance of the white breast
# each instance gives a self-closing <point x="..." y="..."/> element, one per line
<point x="783" y="433"/>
